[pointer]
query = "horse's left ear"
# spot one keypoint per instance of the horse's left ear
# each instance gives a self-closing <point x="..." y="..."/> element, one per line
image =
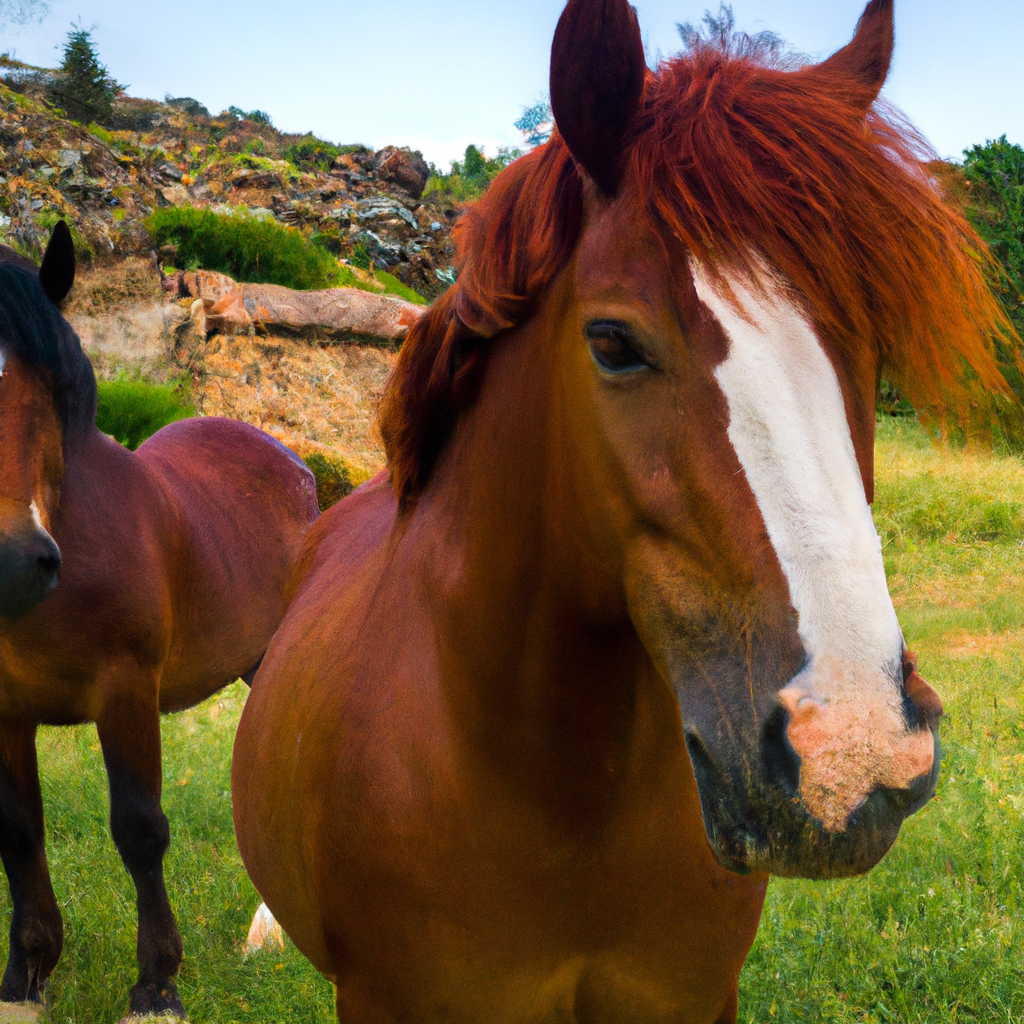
<point x="597" y="82"/>
<point x="860" y="68"/>
<point x="57" y="271"/>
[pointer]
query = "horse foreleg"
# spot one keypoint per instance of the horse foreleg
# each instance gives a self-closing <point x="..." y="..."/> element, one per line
<point x="129" y="730"/>
<point x="37" y="932"/>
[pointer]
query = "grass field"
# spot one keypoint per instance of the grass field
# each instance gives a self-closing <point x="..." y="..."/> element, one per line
<point x="934" y="934"/>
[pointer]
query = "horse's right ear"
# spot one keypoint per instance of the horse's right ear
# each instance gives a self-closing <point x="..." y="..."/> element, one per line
<point x="597" y="83"/>
<point x="57" y="271"/>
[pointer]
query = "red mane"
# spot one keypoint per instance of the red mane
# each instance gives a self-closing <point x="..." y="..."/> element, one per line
<point x="741" y="163"/>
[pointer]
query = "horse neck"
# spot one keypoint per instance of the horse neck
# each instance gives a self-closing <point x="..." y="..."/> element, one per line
<point x="538" y="656"/>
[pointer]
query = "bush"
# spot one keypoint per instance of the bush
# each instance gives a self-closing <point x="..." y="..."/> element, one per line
<point x="133" y="410"/>
<point x="469" y="179"/>
<point x="312" y="154"/>
<point x="333" y="481"/>
<point x="247" y="249"/>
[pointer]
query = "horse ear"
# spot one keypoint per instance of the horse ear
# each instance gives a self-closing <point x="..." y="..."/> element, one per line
<point x="57" y="271"/>
<point x="864" y="62"/>
<point x="597" y="82"/>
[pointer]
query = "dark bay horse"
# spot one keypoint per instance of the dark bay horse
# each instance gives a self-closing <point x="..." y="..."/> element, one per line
<point x="131" y="583"/>
<point x="612" y="640"/>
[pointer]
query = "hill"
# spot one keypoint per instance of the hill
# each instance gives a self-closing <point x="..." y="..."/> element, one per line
<point x="364" y="207"/>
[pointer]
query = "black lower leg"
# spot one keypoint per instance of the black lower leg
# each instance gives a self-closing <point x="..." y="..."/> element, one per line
<point x="142" y="835"/>
<point x="37" y="932"/>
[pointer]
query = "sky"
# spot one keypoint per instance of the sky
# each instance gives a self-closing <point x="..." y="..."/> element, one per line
<point x="439" y="75"/>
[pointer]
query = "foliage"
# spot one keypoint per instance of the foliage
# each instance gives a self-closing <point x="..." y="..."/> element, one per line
<point x="82" y="88"/>
<point x="312" y="154"/>
<point x="255" y="116"/>
<point x="187" y="105"/>
<point x="246" y="248"/>
<point x="995" y="206"/>
<point x="537" y="123"/>
<point x="333" y="481"/>
<point x="133" y="410"/>
<point x="468" y="179"/>
<point x="392" y="286"/>
<point x="718" y="32"/>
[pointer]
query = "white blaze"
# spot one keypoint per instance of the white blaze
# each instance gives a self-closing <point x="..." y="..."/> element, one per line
<point x="788" y="425"/>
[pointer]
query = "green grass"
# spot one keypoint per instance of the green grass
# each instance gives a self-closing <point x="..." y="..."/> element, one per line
<point x="246" y="248"/>
<point x="132" y="410"/>
<point x="211" y="895"/>
<point x="933" y="935"/>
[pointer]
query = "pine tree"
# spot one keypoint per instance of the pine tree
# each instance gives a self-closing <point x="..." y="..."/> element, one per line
<point x="82" y="87"/>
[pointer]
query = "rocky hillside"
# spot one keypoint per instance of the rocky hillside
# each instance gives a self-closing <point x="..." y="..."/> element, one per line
<point x="365" y="207"/>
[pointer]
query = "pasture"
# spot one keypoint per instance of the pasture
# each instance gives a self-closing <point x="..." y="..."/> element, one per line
<point x="934" y="934"/>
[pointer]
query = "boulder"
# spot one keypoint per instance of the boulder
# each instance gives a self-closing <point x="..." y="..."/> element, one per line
<point x="403" y="167"/>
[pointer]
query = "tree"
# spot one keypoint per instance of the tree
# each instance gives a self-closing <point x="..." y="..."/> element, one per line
<point x="718" y="32"/>
<point x="995" y="206"/>
<point x="537" y="123"/>
<point x="82" y="88"/>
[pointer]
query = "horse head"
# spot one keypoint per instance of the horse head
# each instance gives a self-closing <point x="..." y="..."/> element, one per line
<point x="33" y="419"/>
<point x="732" y="422"/>
<point x="731" y="253"/>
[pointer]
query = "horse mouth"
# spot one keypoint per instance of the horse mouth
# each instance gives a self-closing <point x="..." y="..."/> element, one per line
<point x="766" y="828"/>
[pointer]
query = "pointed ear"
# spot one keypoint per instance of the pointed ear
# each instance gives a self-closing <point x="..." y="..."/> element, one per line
<point x="597" y="82"/>
<point x="57" y="272"/>
<point x="860" y="68"/>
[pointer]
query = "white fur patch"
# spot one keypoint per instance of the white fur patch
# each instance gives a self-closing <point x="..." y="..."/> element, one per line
<point x="787" y="423"/>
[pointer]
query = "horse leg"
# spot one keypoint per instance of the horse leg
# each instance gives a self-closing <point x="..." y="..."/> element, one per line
<point x="37" y="932"/>
<point x="129" y="731"/>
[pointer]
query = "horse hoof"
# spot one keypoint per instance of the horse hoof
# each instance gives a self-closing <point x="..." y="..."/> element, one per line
<point x="149" y="1003"/>
<point x="21" y="1013"/>
<point x="145" y="1018"/>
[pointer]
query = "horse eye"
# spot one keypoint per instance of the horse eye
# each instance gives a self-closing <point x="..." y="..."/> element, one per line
<point x="612" y="346"/>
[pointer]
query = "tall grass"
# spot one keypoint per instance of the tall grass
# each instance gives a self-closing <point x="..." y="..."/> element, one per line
<point x="934" y="934"/>
<point x="246" y="248"/>
<point x="133" y="410"/>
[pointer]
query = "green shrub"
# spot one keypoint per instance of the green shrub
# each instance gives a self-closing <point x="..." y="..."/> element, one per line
<point x="133" y="410"/>
<point x="469" y="179"/>
<point x="333" y="481"/>
<point x="312" y="154"/>
<point x="247" y="249"/>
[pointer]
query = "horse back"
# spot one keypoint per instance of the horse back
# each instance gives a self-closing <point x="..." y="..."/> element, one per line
<point x="245" y="504"/>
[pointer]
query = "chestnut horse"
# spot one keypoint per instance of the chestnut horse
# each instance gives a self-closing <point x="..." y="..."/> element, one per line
<point x="131" y="583"/>
<point x="613" y="641"/>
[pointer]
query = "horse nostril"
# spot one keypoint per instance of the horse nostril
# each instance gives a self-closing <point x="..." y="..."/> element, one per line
<point x="780" y="761"/>
<point x="49" y="558"/>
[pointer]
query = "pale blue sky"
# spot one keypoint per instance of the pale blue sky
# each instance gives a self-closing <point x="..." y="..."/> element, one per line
<point x="437" y="75"/>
